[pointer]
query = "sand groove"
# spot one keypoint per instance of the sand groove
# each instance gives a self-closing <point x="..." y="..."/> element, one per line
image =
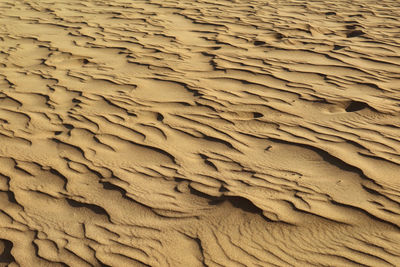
<point x="199" y="133"/>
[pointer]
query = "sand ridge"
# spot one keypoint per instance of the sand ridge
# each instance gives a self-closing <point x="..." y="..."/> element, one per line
<point x="199" y="133"/>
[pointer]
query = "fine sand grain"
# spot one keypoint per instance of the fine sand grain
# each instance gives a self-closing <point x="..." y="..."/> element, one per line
<point x="199" y="133"/>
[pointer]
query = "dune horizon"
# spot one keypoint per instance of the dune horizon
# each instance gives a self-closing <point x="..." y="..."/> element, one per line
<point x="199" y="133"/>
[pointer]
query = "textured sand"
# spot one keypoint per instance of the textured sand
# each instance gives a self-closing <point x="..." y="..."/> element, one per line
<point x="199" y="133"/>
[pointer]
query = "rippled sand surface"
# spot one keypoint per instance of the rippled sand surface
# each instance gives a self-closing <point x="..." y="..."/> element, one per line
<point x="199" y="133"/>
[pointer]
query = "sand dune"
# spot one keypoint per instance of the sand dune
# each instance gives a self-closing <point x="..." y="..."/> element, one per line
<point x="199" y="133"/>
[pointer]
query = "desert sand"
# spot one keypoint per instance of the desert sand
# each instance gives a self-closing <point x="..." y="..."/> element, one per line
<point x="199" y="133"/>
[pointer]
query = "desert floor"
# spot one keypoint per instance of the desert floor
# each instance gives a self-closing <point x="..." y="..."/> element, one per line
<point x="199" y="133"/>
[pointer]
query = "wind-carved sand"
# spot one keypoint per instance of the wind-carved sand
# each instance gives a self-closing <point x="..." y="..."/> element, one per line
<point x="199" y="133"/>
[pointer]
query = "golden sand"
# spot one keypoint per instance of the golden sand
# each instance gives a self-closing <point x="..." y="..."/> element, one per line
<point x="199" y="133"/>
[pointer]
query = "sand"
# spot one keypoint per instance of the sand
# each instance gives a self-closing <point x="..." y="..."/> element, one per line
<point x="199" y="133"/>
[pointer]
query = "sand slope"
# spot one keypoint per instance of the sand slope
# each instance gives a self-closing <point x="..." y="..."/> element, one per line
<point x="199" y="133"/>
